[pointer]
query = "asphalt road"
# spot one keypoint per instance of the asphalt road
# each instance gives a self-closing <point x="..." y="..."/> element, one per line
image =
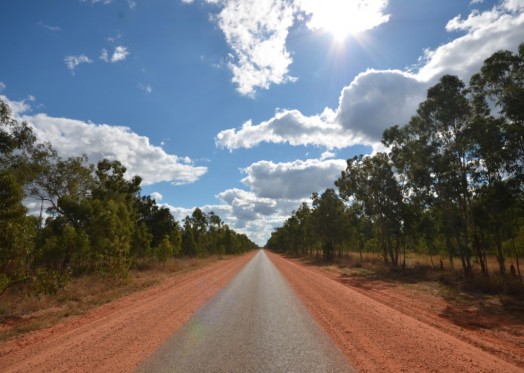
<point x="255" y="324"/>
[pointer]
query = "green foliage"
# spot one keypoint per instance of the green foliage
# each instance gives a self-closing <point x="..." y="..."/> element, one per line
<point x="17" y="233"/>
<point x="165" y="250"/>
<point x="98" y="222"/>
<point x="451" y="184"/>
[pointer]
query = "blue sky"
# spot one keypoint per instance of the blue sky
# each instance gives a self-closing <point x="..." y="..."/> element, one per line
<point x="243" y="107"/>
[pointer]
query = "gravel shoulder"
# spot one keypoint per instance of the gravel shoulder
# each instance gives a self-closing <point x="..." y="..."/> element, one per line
<point x="119" y="335"/>
<point x="388" y="332"/>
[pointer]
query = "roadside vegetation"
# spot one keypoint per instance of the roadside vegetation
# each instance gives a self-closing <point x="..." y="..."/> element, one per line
<point x="22" y="314"/>
<point x="449" y="189"/>
<point x="91" y="220"/>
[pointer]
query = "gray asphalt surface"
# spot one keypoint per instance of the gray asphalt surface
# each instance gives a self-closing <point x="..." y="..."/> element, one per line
<point x="255" y="324"/>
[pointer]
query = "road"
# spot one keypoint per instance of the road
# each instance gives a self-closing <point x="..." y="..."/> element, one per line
<point x="255" y="324"/>
<point x="264" y="312"/>
<point x="119" y="335"/>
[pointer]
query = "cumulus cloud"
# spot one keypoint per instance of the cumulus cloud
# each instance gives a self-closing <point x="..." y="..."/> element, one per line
<point x="327" y="155"/>
<point x="366" y="107"/>
<point x="256" y="31"/>
<point x="157" y="196"/>
<point x="73" y="61"/>
<point x="293" y="180"/>
<point x="486" y="32"/>
<point x="292" y="127"/>
<point x="72" y="137"/>
<point x="378" y="99"/>
<point x="119" y="54"/>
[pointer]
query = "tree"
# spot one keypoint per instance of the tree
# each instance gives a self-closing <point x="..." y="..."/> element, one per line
<point x="16" y="234"/>
<point x="17" y="141"/>
<point x="189" y="247"/>
<point x="371" y="181"/>
<point x="165" y="250"/>
<point x="112" y="218"/>
<point x="158" y="220"/>
<point x="501" y="79"/>
<point x="436" y="153"/>
<point x="328" y="218"/>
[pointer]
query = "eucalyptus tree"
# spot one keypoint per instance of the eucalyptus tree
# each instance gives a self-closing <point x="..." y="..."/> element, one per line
<point x="498" y="96"/>
<point x="501" y="80"/>
<point x="371" y="181"/>
<point x="328" y="221"/>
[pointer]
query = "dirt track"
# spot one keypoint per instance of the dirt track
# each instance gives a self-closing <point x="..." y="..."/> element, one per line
<point x="377" y="337"/>
<point x="118" y="336"/>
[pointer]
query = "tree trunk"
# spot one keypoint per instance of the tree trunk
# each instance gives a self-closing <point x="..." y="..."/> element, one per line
<point x="516" y="258"/>
<point x="500" y="252"/>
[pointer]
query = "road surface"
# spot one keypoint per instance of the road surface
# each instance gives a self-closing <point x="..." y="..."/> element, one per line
<point x="255" y="324"/>
<point x="243" y="314"/>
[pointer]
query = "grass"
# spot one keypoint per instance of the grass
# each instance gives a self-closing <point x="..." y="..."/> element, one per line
<point x="20" y="315"/>
<point x="496" y="295"/>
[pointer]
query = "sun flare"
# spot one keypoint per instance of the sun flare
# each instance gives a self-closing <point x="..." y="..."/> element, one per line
<point x="342" y="18"/>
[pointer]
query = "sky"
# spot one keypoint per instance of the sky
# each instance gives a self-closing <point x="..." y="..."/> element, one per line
<point x="241" y="107"/>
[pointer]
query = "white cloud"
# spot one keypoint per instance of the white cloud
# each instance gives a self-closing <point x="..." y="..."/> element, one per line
<point x="105" y="2"/>
<point x="513" y="5"/>
<point x="292" y="127"/>
<point x="104" y="56"/>
<point x="2" y="86"/>
<point x="120" y="54"/>
<point x="72" y="137"/>
<point x="257" y="30"/>
<point x="486" y="32"/>
<point x="327" y="155"/>
<point x="378" y="99"/>
<point x="48" y="27"/>
<point x="294" y="180"/>
<point x="73" y="61"/>
<point x="157" y="196"/>
<point x="374" y="101"/>
<point x="145" y="87"/>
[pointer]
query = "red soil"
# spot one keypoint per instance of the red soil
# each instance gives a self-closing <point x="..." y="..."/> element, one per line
<point x="397" y="329"/>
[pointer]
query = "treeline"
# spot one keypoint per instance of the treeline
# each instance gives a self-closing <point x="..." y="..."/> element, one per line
<point x="97" y="220"/>
<point x="451" y="183"/>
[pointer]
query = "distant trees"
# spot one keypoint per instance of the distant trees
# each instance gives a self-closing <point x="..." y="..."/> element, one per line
<point x="97" y="220"/>
<point x="451" y="183"/>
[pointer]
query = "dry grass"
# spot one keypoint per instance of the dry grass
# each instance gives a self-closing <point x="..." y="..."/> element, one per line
<point x="420" y="269"/>
<point x="499" y="298"/>
<point x="19" y="315"/>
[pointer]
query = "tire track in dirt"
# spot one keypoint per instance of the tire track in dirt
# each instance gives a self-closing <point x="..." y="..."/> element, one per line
<point x="375" y="337"/>
<point x="117" y="336"/>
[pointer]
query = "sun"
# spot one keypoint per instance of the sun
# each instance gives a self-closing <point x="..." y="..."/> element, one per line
<point x="342" y="18"/>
